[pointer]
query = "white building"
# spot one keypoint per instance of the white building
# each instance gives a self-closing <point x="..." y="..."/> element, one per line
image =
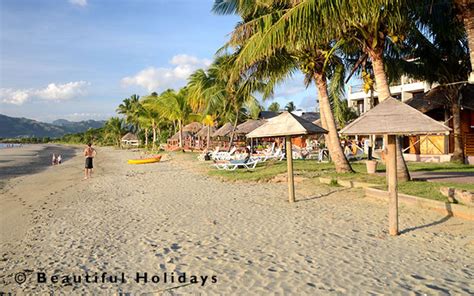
<point x="360" y="101"/>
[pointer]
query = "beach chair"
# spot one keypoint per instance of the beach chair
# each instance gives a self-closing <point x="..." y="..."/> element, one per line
<point x="225" y="155"/>
<point x="233" y="165"/>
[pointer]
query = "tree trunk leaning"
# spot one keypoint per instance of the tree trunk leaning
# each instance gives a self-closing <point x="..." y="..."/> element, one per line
<point x="233" y="130"/>
<point x="180" y="124"/>
<point x="468" y="19"/>
<point x="327" y="118"/>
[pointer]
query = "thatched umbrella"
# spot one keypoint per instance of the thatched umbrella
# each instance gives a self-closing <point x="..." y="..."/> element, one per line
<point x="287" y="125"/>
<point x="392" y="118"/>
<point x="193" y="127"/>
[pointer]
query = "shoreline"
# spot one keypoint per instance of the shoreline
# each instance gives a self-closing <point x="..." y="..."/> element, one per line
<point x="165" y="217"/>
<point x="31" y="159"/>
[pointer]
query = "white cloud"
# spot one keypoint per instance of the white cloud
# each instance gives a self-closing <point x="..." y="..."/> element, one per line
<point x="58" y="92"/>
<point x="16" y="97"/>
<point x="53" y="92"/>
<point x="81" y="3"/>
<point x="157" y="79"/>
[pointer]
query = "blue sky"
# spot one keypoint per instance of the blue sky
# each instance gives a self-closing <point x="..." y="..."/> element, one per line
<point x="78" y="59"/>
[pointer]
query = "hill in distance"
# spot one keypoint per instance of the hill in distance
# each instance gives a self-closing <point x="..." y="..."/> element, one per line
<point x="14" y="127"/>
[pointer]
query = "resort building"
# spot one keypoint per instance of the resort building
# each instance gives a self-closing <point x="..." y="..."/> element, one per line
<point x="406" y="89"/>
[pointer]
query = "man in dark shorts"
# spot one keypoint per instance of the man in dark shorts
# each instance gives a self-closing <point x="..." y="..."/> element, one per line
<point x="89" y="153"/>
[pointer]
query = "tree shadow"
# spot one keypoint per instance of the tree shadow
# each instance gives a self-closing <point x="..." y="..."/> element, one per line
<point x="440" y="221"/>
<point x="313" y="197"/>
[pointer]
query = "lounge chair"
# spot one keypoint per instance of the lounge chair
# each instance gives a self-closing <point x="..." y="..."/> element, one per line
<point x="235" y="164"/>
<point x="224" y="155"/>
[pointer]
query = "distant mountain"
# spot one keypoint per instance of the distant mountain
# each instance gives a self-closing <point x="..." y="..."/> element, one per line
<point x="13" y="127"/>
<point x="78" y="126"/>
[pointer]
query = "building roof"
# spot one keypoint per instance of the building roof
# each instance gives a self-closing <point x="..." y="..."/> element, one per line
<point x="248" y="126"/>
<point x="225" y="130"/>
<point x="309" y="116"/>
<point x="193" y="127"/>
<point x="392" y="117"/>
<point x="437" y="98"/>
<point x="129" y="137"/>
<point x="286" y="124"/>
<point x="176" y="136"/>
<point x="267" y="114"/>
<point x="203" y="131"/>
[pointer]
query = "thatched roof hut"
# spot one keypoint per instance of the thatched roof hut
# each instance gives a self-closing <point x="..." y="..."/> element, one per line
<point x="176" y="136"/>
<point x="248" y="126"/>
<point x="203" y="131"/>
<point x="130" y="139"/>
<point x="224" y="131"/>
<point x="193" y="127"/>
<point x="286" y="124"/>
<point x="392" y="117"/>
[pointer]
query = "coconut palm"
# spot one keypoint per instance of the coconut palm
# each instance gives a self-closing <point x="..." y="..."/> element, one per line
<point x="113" y="130"/>
<point x="174" y="106"/>
<point x="290" y="106"/>
<point x="274" y="107"/>
<point x="151" y="115"/>
<point x="442" y="57"/>
<point x="130" y="108"/>
<point x="465" y="11"/>
<point x="267" y="34"/>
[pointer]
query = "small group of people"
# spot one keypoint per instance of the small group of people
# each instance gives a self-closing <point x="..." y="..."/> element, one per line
<point x="57" y="159"/>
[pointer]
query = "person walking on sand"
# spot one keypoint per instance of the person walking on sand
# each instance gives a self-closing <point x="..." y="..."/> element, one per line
<point x="89" y="153"/>
<point x="53" y="161"/>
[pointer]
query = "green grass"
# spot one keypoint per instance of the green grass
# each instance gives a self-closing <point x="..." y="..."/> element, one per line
<point x="312" y="169"/>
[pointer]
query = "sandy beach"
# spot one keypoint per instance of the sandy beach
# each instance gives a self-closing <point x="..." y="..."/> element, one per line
<point x="164" y="219"/>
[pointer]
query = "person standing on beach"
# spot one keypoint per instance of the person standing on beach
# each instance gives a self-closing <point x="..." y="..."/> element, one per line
<point x="89" y="153"/>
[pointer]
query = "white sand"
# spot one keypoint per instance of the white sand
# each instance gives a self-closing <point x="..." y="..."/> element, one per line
<point x="161" y="218"/>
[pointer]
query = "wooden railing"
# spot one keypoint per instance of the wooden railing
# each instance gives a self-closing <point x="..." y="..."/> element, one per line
<point x="469" y="145"/>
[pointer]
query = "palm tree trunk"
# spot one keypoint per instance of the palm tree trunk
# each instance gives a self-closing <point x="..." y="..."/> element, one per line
<point x="154" y="132"/>
<point x="468" y="19"/>
<point x="233" y="129"/>
<point x="458" y="153"/>
<point x="383" y="90"/>
<point x="327" y="118"/>
<point x="180" y="125"/>
<point x="146" y="137"/>
<point x="208" y="136"/>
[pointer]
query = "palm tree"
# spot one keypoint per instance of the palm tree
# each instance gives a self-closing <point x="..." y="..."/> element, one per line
<point x="151" y="115"/>
<point x="465" y="11"/>
<point x="174" y="106"/>
<point x="131" y="108"/>
<point x="274" y="107"/>
<point x="290" y="107"/>
<point x="113" y="130"/>
<point x="270" y="32"/>
<point x="442" y="57"/>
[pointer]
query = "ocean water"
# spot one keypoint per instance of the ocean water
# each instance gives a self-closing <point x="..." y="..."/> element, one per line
<point x="9" y="145"/>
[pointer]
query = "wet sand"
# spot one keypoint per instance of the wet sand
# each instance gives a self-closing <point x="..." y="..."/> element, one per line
<point x="163" y="218"/>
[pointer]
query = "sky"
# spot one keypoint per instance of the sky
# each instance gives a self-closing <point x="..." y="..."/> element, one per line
<point x="78" y="59"/>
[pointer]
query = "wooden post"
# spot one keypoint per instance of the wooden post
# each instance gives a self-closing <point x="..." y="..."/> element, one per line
<point x="289" y="160"/>
<point x="392" y="185"/>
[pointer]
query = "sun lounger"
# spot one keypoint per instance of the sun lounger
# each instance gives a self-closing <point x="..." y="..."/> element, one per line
<point x="224" y="155"/>
<point x="233" y="165"/>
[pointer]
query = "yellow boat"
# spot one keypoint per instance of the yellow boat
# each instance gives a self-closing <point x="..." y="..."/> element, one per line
<point x="144" y="160"/>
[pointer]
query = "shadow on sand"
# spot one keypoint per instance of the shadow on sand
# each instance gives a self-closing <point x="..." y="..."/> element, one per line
<point x="437" y="222"/>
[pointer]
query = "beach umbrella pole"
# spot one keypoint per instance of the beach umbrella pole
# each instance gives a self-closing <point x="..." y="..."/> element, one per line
<point x="289" y="160"/>
<point x="392" y="185"/>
